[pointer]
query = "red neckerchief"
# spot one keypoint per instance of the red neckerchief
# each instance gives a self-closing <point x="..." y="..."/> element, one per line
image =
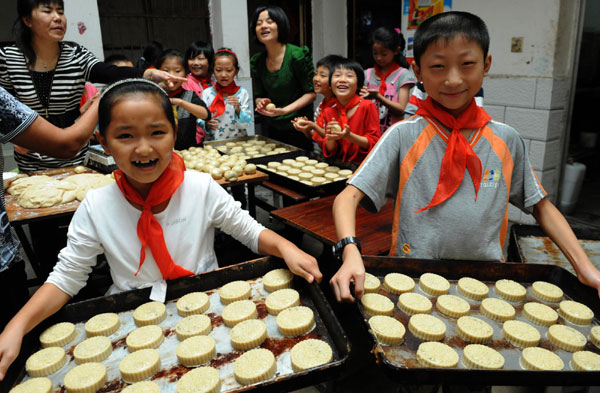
<point x="383" y="77"/>
<point x="205" y="82"/>
<point x="459" y="153"/>
<point x="217" y="108"/>
<point x="149" y="230"/>
<point x="342" y="109"/>
<point x="176" y="92"/>
<point x="330" y="102"/>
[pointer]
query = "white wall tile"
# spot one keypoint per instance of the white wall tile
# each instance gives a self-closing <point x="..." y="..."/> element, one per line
<point x="556" y="124"/>
<point x="513" y="91"/>
<point x="560" y="93"/>
<point x="530" y="123"/>
<point x="545" y="155"/>
<point x="496" y="111"/>
<point x="543" y="93"/>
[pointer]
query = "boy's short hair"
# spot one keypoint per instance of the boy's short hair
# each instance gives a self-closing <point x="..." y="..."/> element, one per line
<point x="448" y="25"/>
<point x="353" y="65"/>
<point x="278" y="15"/>
<point x="116" y="58"/>
<point x="329" y="61"/>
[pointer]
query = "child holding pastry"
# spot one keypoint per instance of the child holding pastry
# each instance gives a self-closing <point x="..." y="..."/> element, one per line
<point x="155" y="223"/>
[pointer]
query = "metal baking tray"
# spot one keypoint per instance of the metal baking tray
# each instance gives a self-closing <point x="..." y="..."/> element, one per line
<point x="400" y="361"/>
<point x="279" y="157"/>
<point x="530" y="244"/>
<point x="327" y="328"/>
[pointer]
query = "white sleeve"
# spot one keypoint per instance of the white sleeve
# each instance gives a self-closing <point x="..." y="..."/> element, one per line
<point x="76" y="260"/>
<point x="245" y="116"/>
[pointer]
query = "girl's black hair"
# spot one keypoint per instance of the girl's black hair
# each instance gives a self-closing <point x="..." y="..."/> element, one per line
<point x="21" y="33"/>
<point x="151" y="53"/>
<point x="329" y="61"/>
<point x="448" y="25"/>
<point x="169" y="53"/>
<point x="277" y="14"/>
<point x="198" y="47"/>
<point x="353" y="65"/>
<point x="391" y="39"/>
<point x="227" y="52"/>
<point x="120" y="90"/>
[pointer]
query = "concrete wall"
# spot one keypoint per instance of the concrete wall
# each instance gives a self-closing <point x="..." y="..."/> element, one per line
<point x="328" y="20"/>
<point x="83" y="25"/>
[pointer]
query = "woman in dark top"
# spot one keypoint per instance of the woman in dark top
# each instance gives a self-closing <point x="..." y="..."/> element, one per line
<point x="281" y="75"/>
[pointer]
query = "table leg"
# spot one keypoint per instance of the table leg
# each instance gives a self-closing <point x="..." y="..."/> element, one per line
<point x="31" y="255"/>
<point x="251" y="200"/>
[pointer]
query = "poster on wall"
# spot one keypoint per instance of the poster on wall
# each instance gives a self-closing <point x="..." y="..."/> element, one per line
<point x="418" y="11"/>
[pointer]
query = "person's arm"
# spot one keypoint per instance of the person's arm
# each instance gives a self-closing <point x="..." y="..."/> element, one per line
<point x="108" y="73"/>
<point x="557" y="228"/>
<point x="299" y="262"/>
<point x="47" y="300"/>
<point x="396" y="108"/>
<point x="301" y="102"/>
<point x="352" y="269"/>
<point x="198" y="109"/>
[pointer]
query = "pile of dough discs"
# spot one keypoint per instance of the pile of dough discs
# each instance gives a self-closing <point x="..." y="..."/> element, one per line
<point x="253" y="148"/>
<point x="307" y="171"/>
<point x="208" y="159"/>
<point x="37" y="191"/>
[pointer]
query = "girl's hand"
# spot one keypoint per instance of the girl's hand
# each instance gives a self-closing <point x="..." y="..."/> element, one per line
<point x="176" y="101"/>
<point x="301" y="124"/>
<point x="364" y="92"/>
<point x="301" y="263"/>
<point x="333" y="131"/>
<point x="352" y="271"/>
<point x="233" y="100"/>
<point x="212" y="124"/>
<point x="161" y="76"/>
<point x="10" y="345"/>
<point x="372" y="93"/>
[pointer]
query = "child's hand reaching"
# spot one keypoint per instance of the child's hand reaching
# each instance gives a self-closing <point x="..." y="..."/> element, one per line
<point x="176" y="101"/>
<point x="301" y="263"/>
<point x="233" y="100"/>
<point x="10" y="345"/>
<point x="212" y="124"/>
<point x="364" y="92"/>
<point x="352" y="271"/>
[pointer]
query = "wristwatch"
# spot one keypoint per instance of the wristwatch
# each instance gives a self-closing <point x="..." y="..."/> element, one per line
<point x="338" y="247"/>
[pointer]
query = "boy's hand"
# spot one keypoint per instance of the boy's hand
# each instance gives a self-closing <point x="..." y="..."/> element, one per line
<point x="10" y="345"/>
<point x="212" y="124"/>
<point x="301" y="263"/>
<point x="590" y="277"/>
<point x="352" y="271"/>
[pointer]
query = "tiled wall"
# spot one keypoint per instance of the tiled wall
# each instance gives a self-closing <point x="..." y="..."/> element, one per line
<point x="537" y="108"/>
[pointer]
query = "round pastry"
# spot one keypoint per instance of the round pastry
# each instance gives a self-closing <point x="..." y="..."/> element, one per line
<point x="301" y="158"/>
<point x="546" y="291"/>
<point x="151" y="313"/>
<point x="250" y="169"/>
<point x="595" y="336"/>
<point x="575" y="312"/>
<point x="58" y="335"/>
<point x="230" y="176"/>
<point x="510" y="290"/>
<point x="318" y="180"/>
<point x="567" y="338"/>
<point x="305" y="176"/>
<point x="254" y="366"/>
<point x="193" y="303"/>
<point x="283" y="168"/>
<point x="273" y="164"/>
<point x="281" y="299"/>
<point x="34" y="385"/>
<point x="85" y="378"/>
<point x="372" y="283"/>
<point x="435" y="354"/>
<point x="150" y="336"/>
<point x="307" y="182"/>
<point x="277" y="279"/>
<point x="376" y="304"/>
<point x="318" y="172"/>
<point x="216" y="173"/>
<point x="296" y="178"/>
<point x="427" y="327"/>
<point x="477" y="356"/>
<point x="194" y="325"/>
<point x="295" y="321"/>
<point x="540" y="314"/>
<point x="330" y="176"/>
<point x="294" y="172"/>
<point x="258" y="142"/>
<point x="93" y="349"/>
<point x="139" y="365"/>
<point x="248" y="334"/>
<point x="520" y="334"/>
<point x="433" y="284"/>
<point x="234" y="291"/>
<point x="288" y="161"/>
<point x="297" y="165"/>
<point x="310" y="353"/>
<point x="472" y="288"/>
<point x="200" y="380"/>
<point x="196" y="350"/>
<point x="497" y="309"/>
<point x="474" y="330"/>
<point x="308" y="169"/>
<point x="414" y="303"/>
<point x="585" y="361"/>
<point x="311" y="162"/>
<point x="452" y="306"/>
<point x="398" y="283"/>
<point x="536" y="358"/>
<point x="239" y="311"/>
<point x="388" y="330"/>
<point x="332" y="168"/>
<point x="345" y="172"/>
<point x="102" y="324"/>
<point x="142" y="387"/>
<point x="45" y="361"/>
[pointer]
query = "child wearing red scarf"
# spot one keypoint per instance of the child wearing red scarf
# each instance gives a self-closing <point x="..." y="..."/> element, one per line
<point x="199" y="59"/>
<point x="156" y="223"/>
<point x="351" y="123"/>
<point x="228" y="103"/>
<point x="451" y="169"/>
<point x="390" y="81"/>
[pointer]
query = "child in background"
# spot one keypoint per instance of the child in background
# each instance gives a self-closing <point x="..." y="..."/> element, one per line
<point x="199" y="60"/>
<point x="351" y="124"/>
<point x="187" y="106"/>
<point x="154" y="202"/>
<point x="464" y="216"/>
<point x="390" y="80"/>
<point x="119" y="60"/>
<point x="90" y="90"/>
<point x="151" y="53"/>
<point x="228" y="103"/>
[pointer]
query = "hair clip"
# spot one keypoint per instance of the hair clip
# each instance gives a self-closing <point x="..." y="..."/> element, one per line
<point x="398" y="30"/>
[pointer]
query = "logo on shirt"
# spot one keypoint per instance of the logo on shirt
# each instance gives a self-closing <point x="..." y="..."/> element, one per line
<point x="490" y="178"/>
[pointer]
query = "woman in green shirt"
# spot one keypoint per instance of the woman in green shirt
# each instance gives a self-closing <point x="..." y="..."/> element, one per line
<point x="282" y="76"/>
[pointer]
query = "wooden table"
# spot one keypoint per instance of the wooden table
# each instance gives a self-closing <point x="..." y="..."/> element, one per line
<point x="315" y="219"/>
<point x="256" y="178"/>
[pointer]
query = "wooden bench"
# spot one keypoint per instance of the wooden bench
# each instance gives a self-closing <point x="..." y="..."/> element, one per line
<point x="289" y="197"/>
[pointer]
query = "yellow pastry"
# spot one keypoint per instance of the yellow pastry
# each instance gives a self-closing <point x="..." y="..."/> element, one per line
<point x="193" y="303"/>
<point x="433" y="284"/>
<point x="248" y="334"/>
<point x="435" y="354"/>
<point x="472" y="288"/>
<point x="278" y="278"/>
<point x="102" y="324"/>
<point x="196" y="350"/>
<point x="479" y="356"/>
<point x="139" y="365"/>
<point x="595" y="336"/>
<point x="567" y="338"/>
<point x="414" y="303"/>
<point x="546" y="291"/>
<point x="585" y="361"/>
<point x="200" y="380"/>
<point x="376" y="304"/>
<point x="510" y="290"/>
<point x="577" y="313"/>
<point x="85" y="378"/>
<point x="427" y="327"/>
<point x="151" y="313"/>
<point x="539" y="313"/>
<point x="194" y="325"/>
<point x="142" y="387"/>
<point x="474" y="330"/>
<point x="452" y="306"/>
<point x="398" y="283"/>
<point x="234" y="291"/>
<point x="372" y="283"/>
<point x="281" y="299"/>
<point x="388" y="330"/>
<point x="295" y="321"/>
<point x="239" y="311"/>
<point x="93" y="349"/>
<point x="497" y="309"/>
<point x="521" y="334"/>
<point x="254" y="366"/>
<point x="150" y="336"/>
<point x="34" y="385"/>
<point x="310" y="353"/>
<point x="58" y="335"/>
<point x="536" y="358"/>
<point x="45" y="361"/>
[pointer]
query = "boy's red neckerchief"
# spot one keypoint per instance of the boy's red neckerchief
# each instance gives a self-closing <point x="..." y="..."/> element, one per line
<point x="217" y="108"/>
<point x="459" y="153"/>
<point x="342" y="109"/>
<point x="176" y="92"/>
<point x="382" y="86"/>
<point x="324" y="104"/>
<point x="149" y="229"/>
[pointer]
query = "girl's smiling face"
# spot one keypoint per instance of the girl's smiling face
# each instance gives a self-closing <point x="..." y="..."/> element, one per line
<point x="198" y="65"/>
<point x="321" y="81"/>
<point x="224" y="70"/>
<point x="174" y="66"/>
<point x="344" y="82"/>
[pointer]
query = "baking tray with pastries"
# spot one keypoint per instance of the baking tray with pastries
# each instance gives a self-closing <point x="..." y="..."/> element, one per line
<point x="249" y="326"/>
<point x="471" y="322"/>
<point x="252" y="147"/>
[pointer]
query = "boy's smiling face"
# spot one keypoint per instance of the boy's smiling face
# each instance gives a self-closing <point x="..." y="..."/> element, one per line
<point x="452" y="72"/>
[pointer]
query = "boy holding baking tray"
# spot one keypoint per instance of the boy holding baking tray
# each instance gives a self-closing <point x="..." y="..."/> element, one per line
<point x="451" y="169"/>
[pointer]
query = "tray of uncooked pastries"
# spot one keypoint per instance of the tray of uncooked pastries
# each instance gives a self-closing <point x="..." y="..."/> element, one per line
<point x="249" y="326"/>
<point x="469" y="322"/>
<point x="252" y="147"/>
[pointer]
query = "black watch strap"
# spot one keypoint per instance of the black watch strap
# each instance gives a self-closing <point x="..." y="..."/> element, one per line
<point x="338" y="248"/>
